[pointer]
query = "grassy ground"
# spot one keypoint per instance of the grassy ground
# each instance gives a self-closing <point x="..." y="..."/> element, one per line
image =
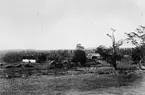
<point x="43" y="69"/>
<point x="82" y="84"/>
<point x="75" y="81"/>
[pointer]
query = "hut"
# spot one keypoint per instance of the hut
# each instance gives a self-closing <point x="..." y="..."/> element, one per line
<point x="29" y="59"/>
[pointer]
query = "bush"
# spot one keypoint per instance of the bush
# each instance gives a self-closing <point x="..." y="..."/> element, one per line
<point x="12" y="57"/>
<point x="136" y="54"/>
<point x="79" y="56"/>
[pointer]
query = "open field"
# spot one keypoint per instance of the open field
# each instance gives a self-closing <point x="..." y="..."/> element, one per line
<point x="98" y="79"/>
<point x="82" y="84"/>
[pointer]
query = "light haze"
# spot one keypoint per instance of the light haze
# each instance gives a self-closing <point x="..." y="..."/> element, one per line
<point x="61" y="24"/>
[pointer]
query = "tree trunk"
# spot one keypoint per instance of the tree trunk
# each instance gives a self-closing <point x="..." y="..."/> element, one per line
<point x="114" y="57"/>
<point x="114" y="62"/>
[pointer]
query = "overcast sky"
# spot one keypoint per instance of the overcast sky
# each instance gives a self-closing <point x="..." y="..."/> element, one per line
<point x="61" y="24"/>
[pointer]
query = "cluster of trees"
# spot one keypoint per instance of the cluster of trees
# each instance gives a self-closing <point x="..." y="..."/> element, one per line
<point x="137" y="38"/>
<point x="14" y="57"/>
<point x="77" y="56"/>
<point x="60" y="54"/>
<point x="11" y="57"/>
<point x="17" y="56"/>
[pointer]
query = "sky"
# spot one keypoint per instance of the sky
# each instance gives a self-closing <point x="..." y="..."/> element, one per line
<point x="62" y="24"/>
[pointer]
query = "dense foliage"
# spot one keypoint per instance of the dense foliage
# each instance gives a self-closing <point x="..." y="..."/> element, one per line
<point x="14" y="57"/>
<point x="137" y="38"/>
<point x="79" y="56"/>
<point x="106" y="53"/>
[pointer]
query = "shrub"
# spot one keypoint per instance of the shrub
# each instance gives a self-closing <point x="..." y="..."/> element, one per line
<point x="79" y="56"/>
<point x="12" y="57"/>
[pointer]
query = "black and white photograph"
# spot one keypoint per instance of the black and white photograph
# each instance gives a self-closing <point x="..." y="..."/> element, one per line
<point x="72" y="47"/>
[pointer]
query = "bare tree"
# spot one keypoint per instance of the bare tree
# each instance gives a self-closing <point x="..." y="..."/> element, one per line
<point x="115" y="46"/>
